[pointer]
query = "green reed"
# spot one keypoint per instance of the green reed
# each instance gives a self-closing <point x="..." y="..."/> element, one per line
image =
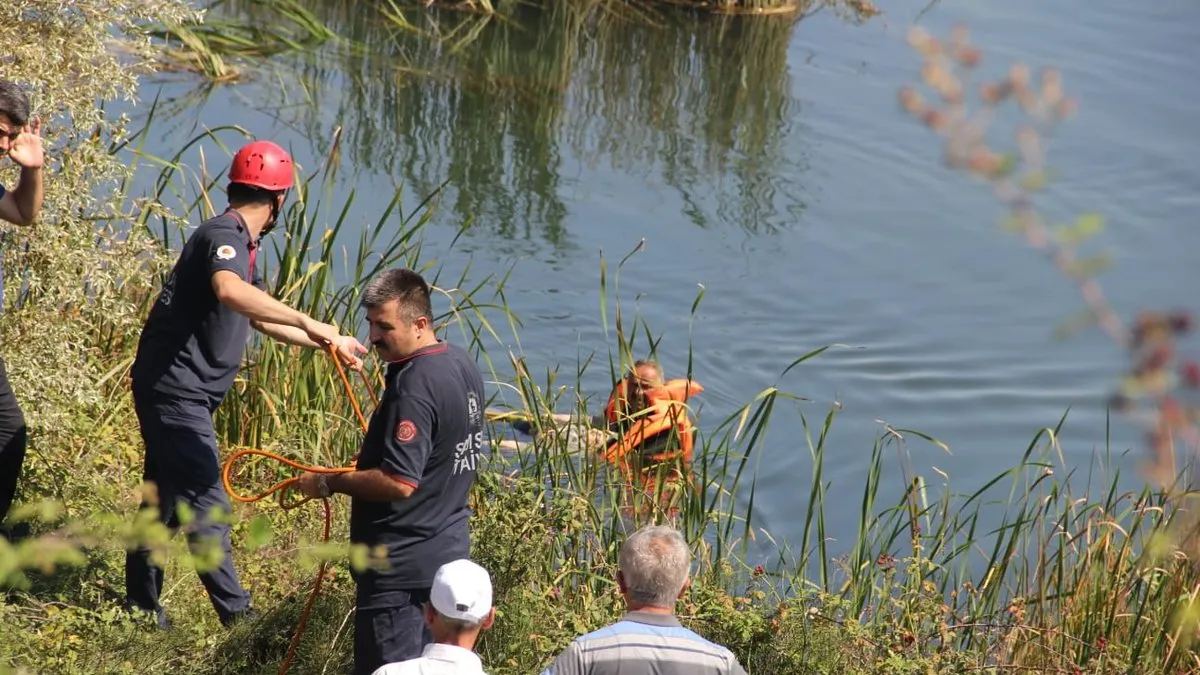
<point x="1032" y="568"/>
<point x="215" y="48"/>
<point x="1044" y="566"/>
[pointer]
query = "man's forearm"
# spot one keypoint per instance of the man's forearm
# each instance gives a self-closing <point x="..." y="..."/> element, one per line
<point x="257" y="305"/>
<point x="372" y="485"/>
<point x="28" y="194"/>
<point x="288" y="334"/>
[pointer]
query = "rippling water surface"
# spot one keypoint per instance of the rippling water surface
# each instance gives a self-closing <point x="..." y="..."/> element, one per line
<point x="770" y="164"/>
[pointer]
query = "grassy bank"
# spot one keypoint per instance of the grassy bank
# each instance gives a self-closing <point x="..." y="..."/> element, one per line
<point x="1046" y="568"/>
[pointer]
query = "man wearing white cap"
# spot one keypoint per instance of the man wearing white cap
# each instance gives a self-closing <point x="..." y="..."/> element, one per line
<point x="459" y="608"/>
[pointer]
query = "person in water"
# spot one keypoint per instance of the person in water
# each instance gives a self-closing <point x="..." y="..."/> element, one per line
<point x="645" y="426"/>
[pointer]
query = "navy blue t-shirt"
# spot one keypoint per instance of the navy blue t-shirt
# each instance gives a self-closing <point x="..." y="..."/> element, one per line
<point x="2" y="193"/>
<point x="427" y="432"/>
<point x="192" y="345"/>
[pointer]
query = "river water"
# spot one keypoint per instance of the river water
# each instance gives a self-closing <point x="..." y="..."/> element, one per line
<point x="768" y="161"/>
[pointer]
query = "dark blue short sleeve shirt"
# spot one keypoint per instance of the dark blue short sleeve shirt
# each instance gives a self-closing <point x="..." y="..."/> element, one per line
<point x="427" y="432"/>
<point x="192" y="345"/>
<point x="3" y="192"/>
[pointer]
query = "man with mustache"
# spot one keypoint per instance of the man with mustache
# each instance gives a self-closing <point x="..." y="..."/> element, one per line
<point x="418" y="462"/>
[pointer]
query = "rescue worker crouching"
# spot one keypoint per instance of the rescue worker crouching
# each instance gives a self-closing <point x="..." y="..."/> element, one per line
<point x="189" y="353"/>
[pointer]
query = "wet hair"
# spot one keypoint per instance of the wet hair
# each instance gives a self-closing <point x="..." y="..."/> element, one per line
<point x="636" y="391"/>
<point x="404" y="285"/>
<point x="647" y="363"/>
<point x="14" y="103"/>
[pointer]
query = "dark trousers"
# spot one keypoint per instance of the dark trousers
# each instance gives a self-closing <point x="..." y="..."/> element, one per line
<point x="389" y="627"/>
<point x="13" y="439"/>
<point x="182" y="462"/>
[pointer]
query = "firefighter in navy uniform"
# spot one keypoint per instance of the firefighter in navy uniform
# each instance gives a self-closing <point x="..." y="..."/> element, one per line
<point x="414" y="473"/>
<point x="190" y="350"/>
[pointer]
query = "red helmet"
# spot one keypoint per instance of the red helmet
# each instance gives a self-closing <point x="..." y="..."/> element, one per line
<point x="262" y="164"/>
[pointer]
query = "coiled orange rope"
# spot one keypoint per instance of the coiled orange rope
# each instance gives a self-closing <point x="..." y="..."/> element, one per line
<point x="283" y="486"/>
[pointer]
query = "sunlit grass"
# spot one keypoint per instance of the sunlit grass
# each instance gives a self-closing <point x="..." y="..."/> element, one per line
<point x="1033" y="568"/>
<point x="1045" y="567"/>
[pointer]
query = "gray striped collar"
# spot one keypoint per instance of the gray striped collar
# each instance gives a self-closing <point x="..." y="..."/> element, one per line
<point x="652" y="618"/>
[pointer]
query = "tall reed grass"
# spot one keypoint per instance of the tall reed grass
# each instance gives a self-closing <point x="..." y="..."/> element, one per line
<point x="1045" y="566"/>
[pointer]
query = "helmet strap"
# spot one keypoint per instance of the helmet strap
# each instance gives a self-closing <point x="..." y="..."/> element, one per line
<point x="275" y="210"/>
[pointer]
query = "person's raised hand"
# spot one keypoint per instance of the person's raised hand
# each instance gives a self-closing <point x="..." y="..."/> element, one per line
<point x="26" y="150"/>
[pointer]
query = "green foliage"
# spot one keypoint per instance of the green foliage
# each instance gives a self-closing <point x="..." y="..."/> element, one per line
<point x="74" y="288"/>
<point x="1064" y="581"/>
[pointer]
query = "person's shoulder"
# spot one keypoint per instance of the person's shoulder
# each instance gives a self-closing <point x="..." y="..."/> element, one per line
<point x="719" y="650"/>
<point x="611" y="630"/>
<point x="462" y="356"/>
<point x="220" y="225"/>
<point x="221" y="221"/>
<point x="715" y="647"/>
<point x="410" y="667"/>
<point x="433" y="363"/>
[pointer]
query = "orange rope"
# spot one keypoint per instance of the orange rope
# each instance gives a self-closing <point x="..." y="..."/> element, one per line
<point x="284" y="485"/>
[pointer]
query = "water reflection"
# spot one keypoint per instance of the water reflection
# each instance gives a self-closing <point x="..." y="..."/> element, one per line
<point x="502" y="106"/>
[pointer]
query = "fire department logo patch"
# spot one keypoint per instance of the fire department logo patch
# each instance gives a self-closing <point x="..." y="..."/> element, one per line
<point x="406" y="431"/>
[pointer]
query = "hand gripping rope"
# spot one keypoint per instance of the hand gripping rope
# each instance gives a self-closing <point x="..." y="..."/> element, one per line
<point x="282" y="488"/>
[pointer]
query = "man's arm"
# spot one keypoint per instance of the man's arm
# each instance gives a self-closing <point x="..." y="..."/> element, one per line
<point x="288" y="334"/>
<point x="371" y="485"/>
<point x="22" y="205"/>
<point x="408" y="421"/>
<point x="276" y="319"/>
<point x="258" y="305"/>
<point x="347" y="345"/>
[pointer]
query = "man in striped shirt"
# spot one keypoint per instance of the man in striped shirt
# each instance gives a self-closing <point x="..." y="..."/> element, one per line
<point x="648" y="640"/>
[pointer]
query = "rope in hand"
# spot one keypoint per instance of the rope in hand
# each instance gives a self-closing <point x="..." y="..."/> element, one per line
<point x="283" y="486"/>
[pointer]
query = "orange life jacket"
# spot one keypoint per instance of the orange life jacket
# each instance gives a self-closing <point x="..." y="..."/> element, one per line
<point x="674" y="390"/>
<point x="666" y="413"/>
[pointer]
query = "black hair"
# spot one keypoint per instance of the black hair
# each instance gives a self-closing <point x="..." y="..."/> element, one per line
<point x="404" y="285"/>
<point x="240" y="193"/>
<point x="14" y="104"/>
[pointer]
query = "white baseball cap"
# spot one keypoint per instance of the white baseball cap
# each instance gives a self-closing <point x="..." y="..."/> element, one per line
<point x="462" y="590"/>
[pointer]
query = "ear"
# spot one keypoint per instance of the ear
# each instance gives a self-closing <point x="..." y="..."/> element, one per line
<point x="429" y="615"/>
<point x="687" y="583"/>
<point x="621" y="582"/>
<point x="489" y="619"/>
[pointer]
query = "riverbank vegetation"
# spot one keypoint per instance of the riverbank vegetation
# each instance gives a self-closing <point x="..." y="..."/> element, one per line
<point x="232" y="37"/>
<point x="1047" y="567"/>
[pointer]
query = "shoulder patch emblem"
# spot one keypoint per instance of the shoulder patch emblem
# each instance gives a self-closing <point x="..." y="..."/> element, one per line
<point x="226" y="252"/>
<point x="406" y="431"/>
